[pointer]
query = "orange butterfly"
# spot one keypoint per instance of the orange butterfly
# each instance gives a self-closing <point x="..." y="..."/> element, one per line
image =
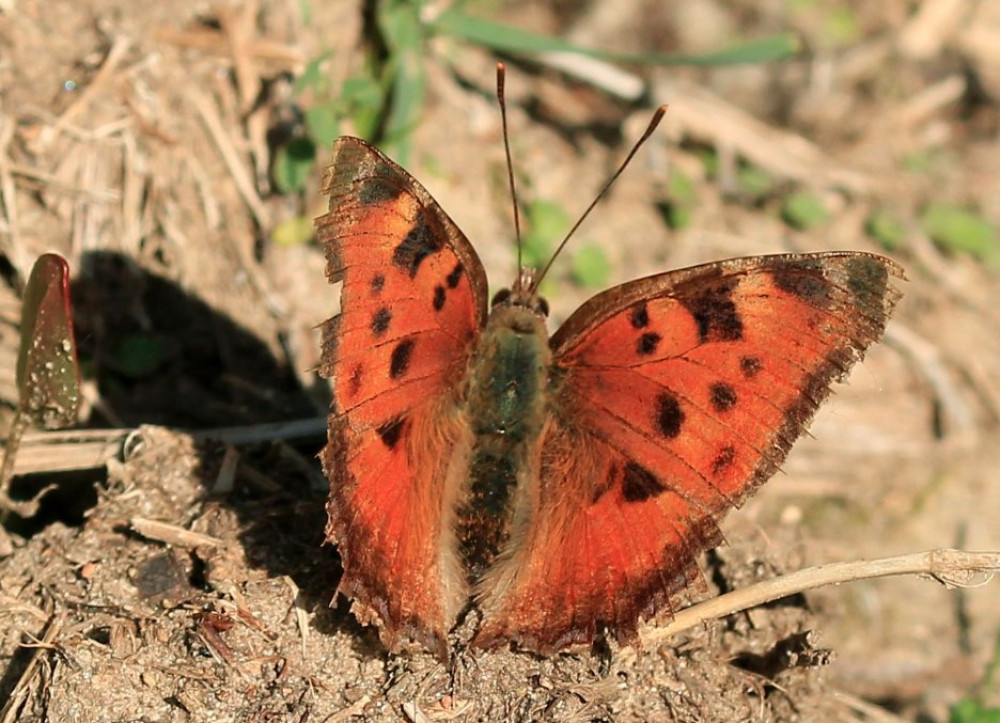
<point x="563" y="486"/>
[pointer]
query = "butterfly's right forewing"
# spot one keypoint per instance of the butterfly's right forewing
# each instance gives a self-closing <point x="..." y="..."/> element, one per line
<point x="413" y="302"/>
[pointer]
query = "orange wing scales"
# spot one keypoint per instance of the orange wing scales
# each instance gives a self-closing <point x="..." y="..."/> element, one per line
<point x="686" y="390"/>
<point x="413" y="298"/>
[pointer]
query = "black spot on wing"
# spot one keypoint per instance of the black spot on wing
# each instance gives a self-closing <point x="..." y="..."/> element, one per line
<point x="669" y="415"/>
<point x="377" y="190"/>
<point x="722" y="396"/>
<point x="867" y="280"/>
<point x="647" y="343"/>
<point x="399" y="362"/>
<point x="750" y="366"/>
<point x="723" y="460"/>
<point x="640" y="316"/>
<point x="455" y="276"/>
<point x="380" y="321"/>
<point x="604" y="487"/>
<point x="715" y="313"/>
<point x="419" y="243"/>
<point x="390" y="431"/>
<point x="439" y="297"/>
<point x="805" y="280"/>
<point x="639" y="484"/>
<point x="377" y="284"/>
<point x="354" y="386"/>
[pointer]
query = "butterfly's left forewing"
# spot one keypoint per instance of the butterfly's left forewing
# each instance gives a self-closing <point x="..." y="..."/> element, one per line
<point x="413" y="301"/>
<point x="672" y="399"/>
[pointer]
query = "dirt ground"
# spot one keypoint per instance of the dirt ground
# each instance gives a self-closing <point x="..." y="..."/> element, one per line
<point x="181" y="576"/>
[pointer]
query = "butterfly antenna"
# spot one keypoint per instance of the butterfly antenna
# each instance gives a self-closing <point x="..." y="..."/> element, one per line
<point x="501" y="77"/>
<point x="653" y="122"/>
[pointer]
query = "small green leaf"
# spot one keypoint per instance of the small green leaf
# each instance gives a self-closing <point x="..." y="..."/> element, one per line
<point x="293" y="232"/>
<point x="960" y="229"/>
<point x="138" y="355"/>
<point x="676" y="215"/>
<point x="680" y="198"/>
<point x="681" y="188"/>
<point x="509" y="39"/>
<point x="590" y="267"/>
<point x="804" y="210"/>
<point x="323" y="125"/>
<point x="305" y="10"/>
<point x="843" y="25"/>
<point x="404" y="33"/>
<point x="710" y="162"/>
<point x="754" y="181"/>
<point x="313" y="78"/>
<point x="544" y="221"/>
<point x="968" y="710"/>
<point x="886" y="229"/>
<point x="48" y="374"/>
<point x="362" y="98"/>
<point x="293" y="165"/>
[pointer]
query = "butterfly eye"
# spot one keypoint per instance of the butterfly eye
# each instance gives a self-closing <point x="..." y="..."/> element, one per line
<point x="502" y="297"/>
<point x="542" y="306"/>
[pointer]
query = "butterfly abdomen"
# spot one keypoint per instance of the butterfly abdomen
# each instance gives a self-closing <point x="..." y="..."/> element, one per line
<point x="506" y="408"/>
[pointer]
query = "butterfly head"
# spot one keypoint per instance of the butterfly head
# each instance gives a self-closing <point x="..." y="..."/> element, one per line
<point x="522" y="295"/>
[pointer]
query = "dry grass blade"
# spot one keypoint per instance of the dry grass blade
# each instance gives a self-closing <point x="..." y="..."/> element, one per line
<point x="19" y="694"/>
<point x="951" y="567"/>
<point x="66" y="451"/>
<point x="172" y="534"/>
<point x="709" y="118"/>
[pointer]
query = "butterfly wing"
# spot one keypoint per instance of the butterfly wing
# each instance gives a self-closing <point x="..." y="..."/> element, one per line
<point x="673" y="398"/>
<point x="412" y="303"/>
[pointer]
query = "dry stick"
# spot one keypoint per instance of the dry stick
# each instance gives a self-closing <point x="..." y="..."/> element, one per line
<point x="245" y="186"/>
<point x="705" y="116"/>
<point x="230" y="157"/>
<point x="172" y="534"/>
<point x="869" y="711"/>
<point x="10" y="711"/>
<point x="80" y="449"/>
<point x="115" y="55"/>
<point x="598" y="73"/>
<point x="946" y="566"/>
<point x="928" y="361"/>
<point x="52" y="182"/>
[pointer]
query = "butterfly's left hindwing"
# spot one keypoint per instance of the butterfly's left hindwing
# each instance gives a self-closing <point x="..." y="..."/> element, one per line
<point x="672" y="399"/>
<point x="413" y="302"/>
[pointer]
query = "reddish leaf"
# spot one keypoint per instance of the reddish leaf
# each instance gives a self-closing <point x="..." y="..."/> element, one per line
<point x="48" y="376"/>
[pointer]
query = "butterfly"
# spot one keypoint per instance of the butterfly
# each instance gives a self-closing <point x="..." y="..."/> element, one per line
<point x="562" y="486"/>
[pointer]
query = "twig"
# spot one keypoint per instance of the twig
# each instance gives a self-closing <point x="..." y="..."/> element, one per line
<point x="24" y="508"/>
<point x="598" y="73"/>
<point x="111" y="61"/>
<point x="230" y="157"/>
<point x="946" y="566"/>
<point x="354" y="710"/>
<point x="708" y="117"/>
<point x="12" y="708"/>
<point x="869" y="711"/>
<point x="172" y="534"/>
<point x="927" y="360"/>
<point x="227" y="472"/>
<point x="69" y="450"/>
<point x="246" y="189"/>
